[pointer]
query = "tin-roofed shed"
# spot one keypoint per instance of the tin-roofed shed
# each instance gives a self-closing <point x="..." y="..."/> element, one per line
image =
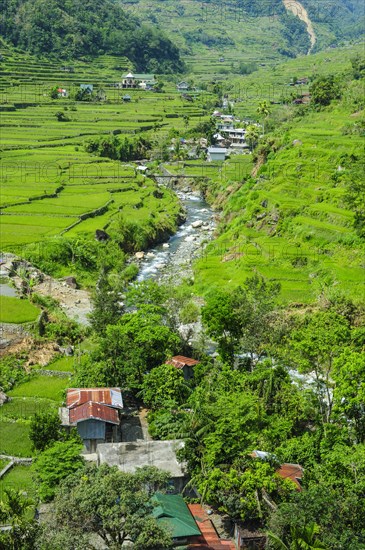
<point x="186" y="364"/>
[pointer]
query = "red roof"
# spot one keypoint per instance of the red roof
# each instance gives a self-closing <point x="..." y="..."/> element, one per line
<point x="105" y="396"/>
<point x="210" y="539"/>
<point x="291" y="471"/>
<point x="179" y="361"/>
<point x="95" y="411"/>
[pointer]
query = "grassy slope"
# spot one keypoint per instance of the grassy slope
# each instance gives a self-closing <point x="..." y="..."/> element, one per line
<point x="14" y="310"/>
<point x="303" y="237"/>
<point x="39" y="394"/>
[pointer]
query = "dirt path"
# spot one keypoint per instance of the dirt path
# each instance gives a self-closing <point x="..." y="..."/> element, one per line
<point x="75" y="303"/>
<point x="299" y="11"/>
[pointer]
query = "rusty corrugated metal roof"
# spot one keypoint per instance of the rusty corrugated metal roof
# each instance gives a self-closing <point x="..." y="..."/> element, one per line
<point x="96" y="411"/>
<point x="209" y="539"/>
<point x="106" y="396"/>
<point x="291" y="471"/>
<point x="179" y="361"/>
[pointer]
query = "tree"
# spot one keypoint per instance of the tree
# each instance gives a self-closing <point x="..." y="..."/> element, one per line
<point x="62" y="117"/>
<point x="55" y="464"/>
<point x="114" y="505"/>
<point x="252" y="136"/>
<point x="358" y="67"/>
<point x="316" y="344"/>
<point x="331" y="497"/>
<point x="349" y="392"/>
<point x="14" y="511"/>
<point x="45" y="429"/>
<point x="355" y="194"/>
<point x="238" y="320"/>
<point x="324" y="89"/>
<point x="107" y="307"/>
<point x="138" y="343"/>
<point x="54" y="92"/>
<point x="164" y="386"/>
<point x="263" y="110"/>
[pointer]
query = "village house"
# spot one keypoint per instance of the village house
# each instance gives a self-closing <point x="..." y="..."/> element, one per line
<point x="95" y="413"/>
<point x="286" y="470"/>
<point x="189" y="524"/>
<point x="182" y="86"/>
<point x="173" y="514"/>
<point x="235" y="137"/>
<point x="62" y="92"/>
<point x="304" y="99"/>
<point x="216" y="154"/>
<point x="87" y="88"/>
<point x="130" y="455"/>
<point x="186" y="364"/>
<point x="143" y="81"/>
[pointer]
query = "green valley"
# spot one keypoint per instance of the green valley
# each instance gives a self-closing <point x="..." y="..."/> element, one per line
<point x="182" y="305"/>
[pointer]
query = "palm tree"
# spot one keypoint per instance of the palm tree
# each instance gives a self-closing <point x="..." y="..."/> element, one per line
<point x="301" y="538"/>
<point x="263" y="110"/>
<point x="252" y="135"/>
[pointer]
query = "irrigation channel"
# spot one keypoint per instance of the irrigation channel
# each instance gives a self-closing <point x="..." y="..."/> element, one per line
<point x="173" y="261"/>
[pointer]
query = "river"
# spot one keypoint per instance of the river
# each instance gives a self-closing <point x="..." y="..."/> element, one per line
<point x="172" y="261"/>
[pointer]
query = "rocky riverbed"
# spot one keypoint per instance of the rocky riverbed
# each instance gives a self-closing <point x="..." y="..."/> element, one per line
<point x="172" y="261"/>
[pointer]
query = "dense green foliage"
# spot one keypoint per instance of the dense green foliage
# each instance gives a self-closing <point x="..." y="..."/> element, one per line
<point x="45" y="429"/>
<point x="139" y="342"/>
<point x="110" y="503"/>
<point x="56" y="463"/>
<point x="119" y="149"/>
<point x="90" y="28"/>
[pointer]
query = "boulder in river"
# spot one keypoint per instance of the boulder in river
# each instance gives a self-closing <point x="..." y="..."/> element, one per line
<point x="139" y="255"/>
<point x="150" y="255"/>
<point x="196" y="224"/>
<point x="165" y="245"/>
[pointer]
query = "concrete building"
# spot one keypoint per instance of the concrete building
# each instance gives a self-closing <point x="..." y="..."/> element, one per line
<point x="216" y="153"/>
<point x="144" y="81"/>
<point x="129" y="456"/>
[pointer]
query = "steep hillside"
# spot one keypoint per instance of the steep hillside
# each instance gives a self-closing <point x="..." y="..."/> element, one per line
<point x="224" y="37"/>
<point x="86" y="28"/>
<point x="286" y="212"/>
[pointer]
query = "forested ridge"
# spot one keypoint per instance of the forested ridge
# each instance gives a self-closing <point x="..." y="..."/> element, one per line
<point x="79" y="28"/>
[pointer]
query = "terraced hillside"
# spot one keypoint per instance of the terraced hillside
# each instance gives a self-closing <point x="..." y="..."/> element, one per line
<point x="50" y="184"/>
<point x="220" y="38"/>
<point x="285" y="215"/>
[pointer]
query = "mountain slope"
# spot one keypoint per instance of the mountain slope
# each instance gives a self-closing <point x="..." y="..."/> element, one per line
<point x="70" y="29"/>
<point x="216" y="37"/>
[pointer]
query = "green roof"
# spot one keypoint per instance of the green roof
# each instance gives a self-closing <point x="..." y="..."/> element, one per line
<point x="172" y="512"/>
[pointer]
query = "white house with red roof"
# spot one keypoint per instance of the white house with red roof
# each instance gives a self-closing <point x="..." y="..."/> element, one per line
<point x="95" y="413"/>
